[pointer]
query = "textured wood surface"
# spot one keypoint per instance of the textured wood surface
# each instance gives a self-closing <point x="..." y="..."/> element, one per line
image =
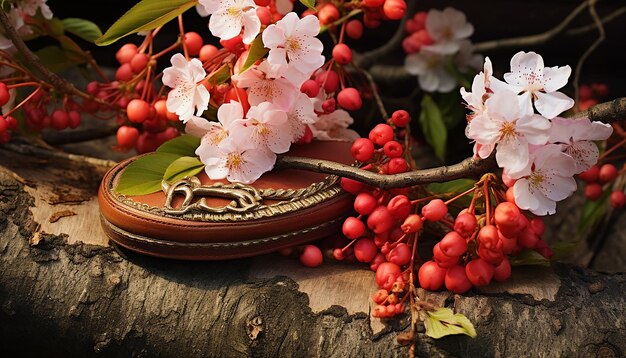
<point x="63" y="292"/>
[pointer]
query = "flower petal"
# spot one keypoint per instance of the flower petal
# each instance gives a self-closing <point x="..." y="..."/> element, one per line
<point x="555" y="77"/>
<point x="552" y="104"/>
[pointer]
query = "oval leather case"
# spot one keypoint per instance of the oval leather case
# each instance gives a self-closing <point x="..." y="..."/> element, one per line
<point x="200" y="219"/>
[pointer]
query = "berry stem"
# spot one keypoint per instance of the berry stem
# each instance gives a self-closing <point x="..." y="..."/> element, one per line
<point x="182" y="36"/>
<point x="23" y="102"/>
<point x="612" y="149"/>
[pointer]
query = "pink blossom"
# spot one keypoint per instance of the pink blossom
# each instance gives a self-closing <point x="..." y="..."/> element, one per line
<point x="265" y="126"/>
<point x="292" y="42"/>
<point x="228" y="17"/>
<point x="334" y="126"/>
<point x="447" y="28"/>
<point x="550" y="180"/>
<point x="264" y="84"/>
<point x="187" y="93"/>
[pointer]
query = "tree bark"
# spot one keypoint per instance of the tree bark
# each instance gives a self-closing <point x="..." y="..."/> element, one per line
<point x="60" y="296"/>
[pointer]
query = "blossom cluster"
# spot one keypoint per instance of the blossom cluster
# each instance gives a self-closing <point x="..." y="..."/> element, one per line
<point x="518" y="118"/>
<point x="437" y="39"/>
<point x="19" y="14"/>
<point x="269" y="106"/>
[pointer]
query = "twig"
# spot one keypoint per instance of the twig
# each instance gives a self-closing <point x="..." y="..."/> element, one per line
<point x="29" y="149"/>
<point x="32" y="59"/>
<point x="367" y="59"/>
<point x="81" y="135"/>
<point x="533" y="39"/>
<point x="605" y="20"/>
<point x="589" y="51"/>
<point x="604" y="112"/>
<point x="379" y="102"/>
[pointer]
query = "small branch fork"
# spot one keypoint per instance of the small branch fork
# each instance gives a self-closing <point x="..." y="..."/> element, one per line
<point x="605" y="112"/>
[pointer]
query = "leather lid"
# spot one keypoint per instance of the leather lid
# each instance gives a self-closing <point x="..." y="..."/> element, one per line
<point x="205" y="219"/>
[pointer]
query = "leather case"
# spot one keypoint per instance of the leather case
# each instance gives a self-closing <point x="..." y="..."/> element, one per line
<point x="200" y="219"/>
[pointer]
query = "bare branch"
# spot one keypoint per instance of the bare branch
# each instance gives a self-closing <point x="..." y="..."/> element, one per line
<point x="534" y="39"/>
<point x="606" y="112"/>
<point x="589" y="51"/>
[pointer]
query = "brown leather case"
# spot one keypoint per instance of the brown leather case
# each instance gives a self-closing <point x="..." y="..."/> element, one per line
<point x="202" y="219"/>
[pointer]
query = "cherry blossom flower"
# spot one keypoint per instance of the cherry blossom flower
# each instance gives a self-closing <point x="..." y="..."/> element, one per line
<point x="266" y="126"/>
<point x="538" y="84"/>
<point x="447" y="28"/>
<point x="430" y="67"/>
<point x="480" y="89"/>
<point x="30" y="7"/>
<point x="551" y="180"/>
<point x="265" y="85"/>
<point x="236" y="161"/>
<point x="228" y="17"/>
<point x="215" y="132"/>
<point x="187" y="93"/>
<point x="576" y="137"/>
<point x="301" y="114"/>
<point x="334" y="126"/>
<point x="504" y="127"/>
<point x="466" y="60"/>
<point x="292" y="42"/>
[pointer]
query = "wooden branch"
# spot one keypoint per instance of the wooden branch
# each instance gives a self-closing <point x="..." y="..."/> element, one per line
<point x="604" y="112"/>
<point x="59" y="83"/>
<point x="534" y="39"/>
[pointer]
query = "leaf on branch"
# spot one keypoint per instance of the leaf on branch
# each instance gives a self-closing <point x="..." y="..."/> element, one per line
<point x="183" y="167"/>
<point x="222" y="75"/>
<point x="452" y="187"/>
<point x="183" y="146"/>
<point x="257" y="51"/>
<point x="444" y="322"/>
<point x="84" y="29"/>
<point x="145" y="16"/>
<point x="144" y="175"/>
<point x="529" y="258"/>
<point x="432" y="125"/>
<point x="309" y="3"/>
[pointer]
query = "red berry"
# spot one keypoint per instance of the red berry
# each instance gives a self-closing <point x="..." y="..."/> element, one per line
<point x="453" y="244"/>
<point x="338" y="254"/>
<point x="350" y="99"/>
<point x="4" y="94"/>
<point x="311" y="256"/>
<point x="138" y="111"/>
<point x="488" y="237"/>
<point x="193" y="42"/>
<point x="510" y="195"/>
<point x="608" y="172"/>
<point x="456" y="280"/>
<point x="538" y="226"/>
<point x="494" y="257"/>
<point x="3" y="125"/>
<point x="394" y="9"/>
<point x="378" y="259"/>
<point x="379" y="311"/>
<point x="233" y="45"/>
<point x="365" y="203"/>
<point x="386" y="274"/>
<point x="381" y="134"/>
<point x="373" y="3"/>
<point x="527" y="238"/>
<point x="354" y="29"/>
<point x="393" y="149"/>
<point x="442" y="259"/>
<point x="362" y="149"/>
<point x="397" y="165"/>
<point x="400" y="118"/>
<point x="506" y="217"/>
<point x="329" y="105"/>
<point x="126" y="53"/>
<point x="380" y="296"/>
<point x="400" y="255"/>
<point x="351" y="186"/>
<point x="618" y="199"/>
<point x="365" y="250"/>
<point x="311" y="88"/>
<point x="502" y="271"/>
<point x="465" y="224"/>
<point x="11" y="122"/>
<point x="380" y="220"/>
<point x="399" y="207"/>
<point x="59" y="120"/>
<point x="127" y="136"/>
<point x="328" y="14"/>
<point x="329" y="80"/>
<point x="479" y="272"/>
<point x="207" y="52"/>
<point x="412" y="223"/>
<point x="584" y="92"/>
<point x="431" y="276"/>
<point x="590" y="175"/>
<point x="509" y="246"/>
<point x="435" y="210"/>
<point x="353" y="228"/>
<point x="264" y="14"/>
<point x="124" y="73"/>
<point x="74" y="119"/>
<point x="139" y="62"/>
<point x="601" y="89"/>
<point x="342" y="54"/>
<point x="593" y="191"/>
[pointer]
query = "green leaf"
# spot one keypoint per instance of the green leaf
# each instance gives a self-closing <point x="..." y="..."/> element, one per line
<point x="593" y="211"/>
<point x="84" y="29"/>
<point x="183" y="167"/>
<point x="309" y="3"/>
<point x="145" y="174"/>
<point x="144" y="16"/>
<point x="443" y="322"/>
<point x="452" y="111"/>
<point x="529" y="258"/>
<point x="221" y="76"/>
<point x="183" y="146"/>
<point x="433" y="127"/>
<point x="257" y="50"/>
<point x="54" y="58"/>
<point x="452" y="187"/>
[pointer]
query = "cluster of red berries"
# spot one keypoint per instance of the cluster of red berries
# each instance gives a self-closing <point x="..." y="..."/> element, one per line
<point x="38" y="117"/>
<point x="417" y="35"/>
<point x="7" y="123"/>
<point x="596" y="178"/>
<point x="590" y="95"/>
<point x="374" y="12"/>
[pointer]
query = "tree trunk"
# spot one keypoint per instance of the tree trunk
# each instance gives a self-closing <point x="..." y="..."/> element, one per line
<point x="65" y="292"/>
